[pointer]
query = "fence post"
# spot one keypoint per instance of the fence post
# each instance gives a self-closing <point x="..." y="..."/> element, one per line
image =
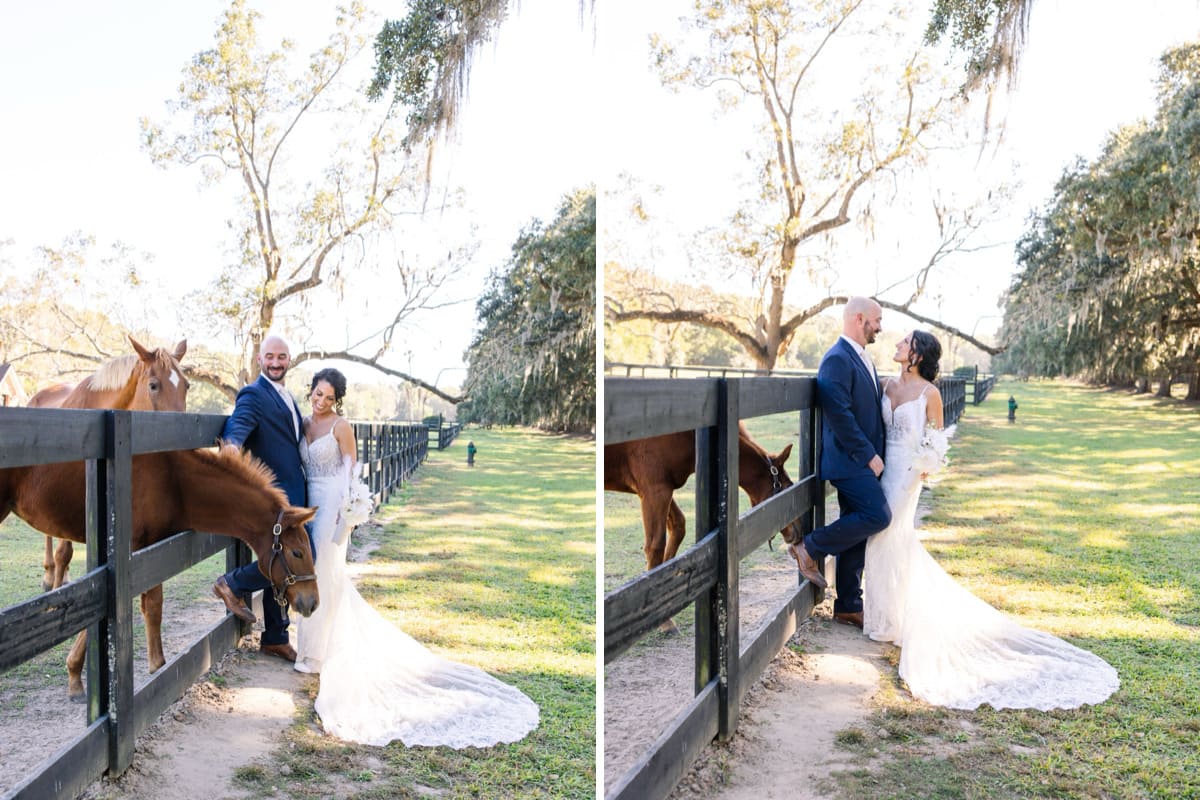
<point x="120" y="602"/>
<point x="708" y="516"/>
<point x="727" y="645"/>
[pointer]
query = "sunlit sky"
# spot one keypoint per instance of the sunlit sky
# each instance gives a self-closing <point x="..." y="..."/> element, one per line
<point x="79" y="75"/>
<point x="1087" y="69"/>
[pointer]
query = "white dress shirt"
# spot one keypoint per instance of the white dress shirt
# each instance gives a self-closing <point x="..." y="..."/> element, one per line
<point x="290" y="403"/>
<point x="862" y="353"/>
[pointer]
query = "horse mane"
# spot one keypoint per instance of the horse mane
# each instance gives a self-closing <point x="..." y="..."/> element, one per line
<point x="113" y="374"/>
<point x="247" y="469"/>
<point x="744" y="436"/>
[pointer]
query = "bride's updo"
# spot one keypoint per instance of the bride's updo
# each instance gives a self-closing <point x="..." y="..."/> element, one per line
<point x="926" y="351"/>
<point x="336" y="380"/>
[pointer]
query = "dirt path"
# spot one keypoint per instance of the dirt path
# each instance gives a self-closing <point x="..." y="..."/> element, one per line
<point x="784" y="746"/>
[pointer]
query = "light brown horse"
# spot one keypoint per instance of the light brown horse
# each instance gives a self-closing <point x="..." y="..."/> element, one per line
<point x="151" y="380"/>
<point x="654" y="468"/>
<point x="228" y="493"/>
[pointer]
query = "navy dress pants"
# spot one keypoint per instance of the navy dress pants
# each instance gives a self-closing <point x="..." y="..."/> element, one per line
<point x="864" y="512"/>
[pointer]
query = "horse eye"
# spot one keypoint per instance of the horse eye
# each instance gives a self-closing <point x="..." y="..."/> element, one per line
<point x="297" y="554"/>
<point x="154" y="386"/>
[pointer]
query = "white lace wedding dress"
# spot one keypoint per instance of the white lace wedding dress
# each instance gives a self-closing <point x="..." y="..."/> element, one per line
<point x="956" y="650"/>
<point x="377" y="682"/>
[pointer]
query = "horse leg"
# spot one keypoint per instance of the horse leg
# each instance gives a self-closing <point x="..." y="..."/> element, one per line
<point x="152" y="605"/>
<point x="676" y="530"/>
<point x="48" y="565"/>
<point x="654" y="520"/>
<point x="75" y="668"/>
<point x="656" y="506"/>
<point x="62" y="561"/>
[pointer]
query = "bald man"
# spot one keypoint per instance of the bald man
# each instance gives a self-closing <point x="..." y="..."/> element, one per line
<point x="852" y="436"/>
<point x="267" y="422"/>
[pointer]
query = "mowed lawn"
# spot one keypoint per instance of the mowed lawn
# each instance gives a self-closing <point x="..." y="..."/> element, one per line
<point x="491" y="565"/>
<point x="1080" y="519"/>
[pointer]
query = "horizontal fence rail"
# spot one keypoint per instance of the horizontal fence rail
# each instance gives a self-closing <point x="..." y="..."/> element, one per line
<point x="101" y="601"/>
<point x="707" y="574"/>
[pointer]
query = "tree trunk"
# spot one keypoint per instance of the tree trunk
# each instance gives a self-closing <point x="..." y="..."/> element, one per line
<point x="1164" y="387"/>
<point x="1141" y="386"/>
<point x="1193" y="394"/>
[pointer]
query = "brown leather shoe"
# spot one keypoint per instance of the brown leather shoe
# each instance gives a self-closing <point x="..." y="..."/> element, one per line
<point x="235" y="604"/>
<point x="808" y="566"/>
<point x="854" y="618"/>
<point x="284" y="651"/>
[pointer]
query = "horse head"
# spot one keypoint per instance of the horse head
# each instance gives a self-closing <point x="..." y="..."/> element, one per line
<point x="764" y="475"/>
<point x="285" y="557"/>
<point x="161" y="385"/>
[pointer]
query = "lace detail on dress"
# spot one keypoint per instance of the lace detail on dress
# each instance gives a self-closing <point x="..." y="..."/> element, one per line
<point x="956" y="650"/>
<point x="322" y="458"/>
<point x="378" y="683"/>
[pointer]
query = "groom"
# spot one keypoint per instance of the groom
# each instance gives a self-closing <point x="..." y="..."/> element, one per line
<point x="852" y="438"/>
<point x="266" y="421"/>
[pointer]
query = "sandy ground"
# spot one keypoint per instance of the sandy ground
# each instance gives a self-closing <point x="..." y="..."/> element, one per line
<point x="784" y="744"/>
<point x="201" y="740"/>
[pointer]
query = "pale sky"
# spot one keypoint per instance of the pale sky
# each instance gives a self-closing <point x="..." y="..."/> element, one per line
<point x="79" y="75"/>
<point x="1087" y="69"/>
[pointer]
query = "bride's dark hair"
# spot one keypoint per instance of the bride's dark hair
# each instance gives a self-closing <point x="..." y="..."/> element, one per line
<point x="925" y="351"/>
<point x="335" y="379"/>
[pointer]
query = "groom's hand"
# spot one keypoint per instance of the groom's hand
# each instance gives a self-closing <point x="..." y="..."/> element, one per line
<point x="876" y="465"/>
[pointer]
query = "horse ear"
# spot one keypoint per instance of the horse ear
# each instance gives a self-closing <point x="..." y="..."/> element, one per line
<point x="143" y="353"/>
<point x="783" y="454"/>
<point x="296" y="515"/>
<point x="180" y="349"/>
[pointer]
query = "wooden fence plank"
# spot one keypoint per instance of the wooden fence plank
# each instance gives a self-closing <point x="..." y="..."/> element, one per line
<point x="35" y="626"/>
<point x="728" y="563"/>
<point x="154" y="564"/>
<point x="49" y="435"/>
<point x="760" y="396"/>
<point x="672" y="754"/>
<point x="636" y="408"/>
<point x="120" y="600"/>
<point x="767" y="518"/>
<point x="158" y="431"/>
<point x="70" y="770"/>
<point x="653" y="597"/>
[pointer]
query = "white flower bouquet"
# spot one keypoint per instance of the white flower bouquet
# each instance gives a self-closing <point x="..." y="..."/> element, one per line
<point x="358" y="505"/>
<point x="931" y="451"/>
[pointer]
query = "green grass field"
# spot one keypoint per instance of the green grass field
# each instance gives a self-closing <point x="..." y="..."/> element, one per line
<point x="1080" y="520"/>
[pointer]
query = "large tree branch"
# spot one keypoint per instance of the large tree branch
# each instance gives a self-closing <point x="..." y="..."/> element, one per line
<point x="697" y="317"/>
<point x="371" y="362"/>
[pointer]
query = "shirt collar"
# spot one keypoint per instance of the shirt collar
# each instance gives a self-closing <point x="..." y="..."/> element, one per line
<point x="858" y="348"/>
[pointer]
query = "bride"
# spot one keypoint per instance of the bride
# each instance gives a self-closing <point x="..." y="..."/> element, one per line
<point x="378" y="683"/>
<point x="956" y="650"/>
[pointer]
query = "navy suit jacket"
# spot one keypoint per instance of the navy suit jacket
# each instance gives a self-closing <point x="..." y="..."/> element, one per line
<point x="263" y="424"/>
<point x="852" y="414"/>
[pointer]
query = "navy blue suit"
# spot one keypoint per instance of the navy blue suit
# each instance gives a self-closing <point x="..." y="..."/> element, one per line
<point x="263" y="424"/>
<point x="851" y="435"/>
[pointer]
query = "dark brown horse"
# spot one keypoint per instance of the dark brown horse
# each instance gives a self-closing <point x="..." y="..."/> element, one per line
<point x="654" y="468"/>
<point x="229" y="494"/>
<point x="151" y="380"/>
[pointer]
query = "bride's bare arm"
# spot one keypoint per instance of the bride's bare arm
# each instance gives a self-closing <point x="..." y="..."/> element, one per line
<point x="933" y="408"/>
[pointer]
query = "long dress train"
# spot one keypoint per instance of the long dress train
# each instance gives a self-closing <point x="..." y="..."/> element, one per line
<point x="956" y="650"/>
<point x="377" y="682"/>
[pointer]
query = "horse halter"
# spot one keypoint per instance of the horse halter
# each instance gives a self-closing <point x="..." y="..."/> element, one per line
<point x="280" y="590"/>
<point x="776" y="486"/>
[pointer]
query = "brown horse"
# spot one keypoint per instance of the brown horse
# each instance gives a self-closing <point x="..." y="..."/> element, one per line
<point x="654" y="468"/>
<point x="228" y="493"/>
<point x="151" y="380"/>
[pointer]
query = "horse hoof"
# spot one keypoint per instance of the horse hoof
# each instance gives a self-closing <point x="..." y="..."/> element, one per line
<point x="78" y="698"/>
<point x="46" y="586"/>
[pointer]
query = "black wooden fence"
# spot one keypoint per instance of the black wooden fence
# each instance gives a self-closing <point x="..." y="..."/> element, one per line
<point x="101" y="601"/>
<point x="708" y="573"/>
<point x="390" y="452"/>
